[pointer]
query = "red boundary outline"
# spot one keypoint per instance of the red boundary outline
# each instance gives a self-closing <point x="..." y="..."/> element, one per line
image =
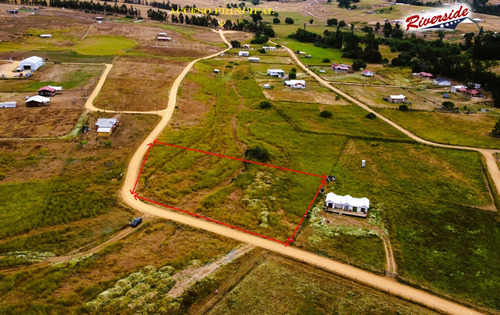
<point x="290" y="239"/>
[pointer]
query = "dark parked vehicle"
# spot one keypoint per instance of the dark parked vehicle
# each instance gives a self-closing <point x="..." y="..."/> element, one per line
<point x="136" y="222"/>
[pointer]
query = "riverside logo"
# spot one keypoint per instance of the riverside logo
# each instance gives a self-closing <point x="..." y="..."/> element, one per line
<point x="442" y="19"/>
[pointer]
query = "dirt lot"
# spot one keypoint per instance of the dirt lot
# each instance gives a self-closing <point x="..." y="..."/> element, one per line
<point x="121" y="91"/>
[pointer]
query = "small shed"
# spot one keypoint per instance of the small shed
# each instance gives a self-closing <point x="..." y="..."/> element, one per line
<point x="162" y="34"/>
<point x="441" y="82"/>
<point x="46" y="91"/>
<point x="31" y="63"/>
<point x="243" y="53"/>
<point x="253" y="59"/>
<point x="163" y="38"/>
<point x="275" y="72"/>
<point x="245" y="46"/>
<point x="308" y="56"/>
<point x="267" y="86"/>
<point x="13" y="11"/>
<point x="105" y="126"/>
<point x="8" y="104"/>
<point x="46" y="36"/>
<point x="58" y="89"/>
<point x="269" y="48"/>
<point x="296" y="84"/>
<point x="396" y="98"/>
<point x="216" y="70"/>
<point x="340" y="67"/>
<point x="37" y="101"/>
<point x="456" y="88"/>
<point x="368" y="73"/>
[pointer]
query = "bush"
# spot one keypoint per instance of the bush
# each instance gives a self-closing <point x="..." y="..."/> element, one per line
<point x="292" y="75"/>
<point x="259" y="39"/>
<point x="371" y="116"/>
<point x="265" y="104"/>
<point x="289" y="20"/>
<point x="235" y="44"/>
<point x="403" y="108"/>
<point x="258" y="153"/>
<point x="326" y="60"/>
<point x="262" y="51"/>
<point x="496" y="130"/>
<point x="448" y="105"/>
<point x="326" y="114"/>
<point x="358" y="64"/>
<point x="342" y="23"/>
<point x="276" y="20"/>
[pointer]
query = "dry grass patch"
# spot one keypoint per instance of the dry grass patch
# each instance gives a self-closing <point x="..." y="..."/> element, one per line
<point x="122" y="90"/>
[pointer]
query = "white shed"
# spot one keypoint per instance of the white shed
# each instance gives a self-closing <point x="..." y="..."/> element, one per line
<point x="269" y="48"/>
<point x="442" y="82"/>
<point x="253" y="59"/>
<point x="105" y="126"/>
<point x="276" y="72"/>
<point x="347" y="204"/>
<point x="46" y="36"/>
<point x="454" y="89"/>
<point x="243" y="53"/>
<point x="8" y="104"/>
<point x="296" y="84"/>
<point x="31" y="63"/>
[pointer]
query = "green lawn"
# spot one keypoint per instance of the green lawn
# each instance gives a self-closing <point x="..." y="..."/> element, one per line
<point x="104" y="45"/>
<point x="467" y="130"/>
<point x="317" y="53"/>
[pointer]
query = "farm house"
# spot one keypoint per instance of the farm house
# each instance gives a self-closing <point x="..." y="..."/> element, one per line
<point x="46" y="91"/>
<point x="340" y="68"/>
<point x="37" y="101"/>
<point x="296" y="84"/>
<point x="31" y="63"/>
<point x="243" y="53"/>
<point x="396" y="98"/>
<point x="105" y="126"/>
<point x="455" y="88"/>
<point x="275" y="72"/>
<point x="347" y="205"/>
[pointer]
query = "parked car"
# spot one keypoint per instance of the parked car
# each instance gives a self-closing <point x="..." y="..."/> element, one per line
<point x="136" y="222"/>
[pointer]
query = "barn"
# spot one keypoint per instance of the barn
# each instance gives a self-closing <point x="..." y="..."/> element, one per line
<point x="46" y="91"/>
<point x="31" y="63"/>
<point x="37" y="101"/>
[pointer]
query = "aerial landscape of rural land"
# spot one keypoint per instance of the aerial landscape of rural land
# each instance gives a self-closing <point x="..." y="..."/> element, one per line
<point x="249" y="157"/>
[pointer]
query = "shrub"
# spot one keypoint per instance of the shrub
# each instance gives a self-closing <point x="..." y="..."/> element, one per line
<point x="289" y="20"/>
<point x="262" y="51"/>
<point x="496" y="130"/>
<point x="448" y="105"/>
<point x="259" y="39"/>
<point x="292" y="75"/>
<point x="358" y="63"/>
<point x="235" y="44"/>
<point x="258" y="153"/>
<point x="326" y="60"/>
<point x="342" y="23"/>
<point x="108" y="143"/>
<point x="265" y="104"/>
<point x="326" y="114"/>
<point x="276" y="20"/>
<point x="403" y="108"/>
<point x="371" y="116"/>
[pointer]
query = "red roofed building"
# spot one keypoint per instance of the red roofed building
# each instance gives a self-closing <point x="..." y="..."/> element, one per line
<point x="46" y="91"/>
<point x="426" y="75"/>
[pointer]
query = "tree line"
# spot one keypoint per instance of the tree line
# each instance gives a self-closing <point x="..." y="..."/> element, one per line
<point x="97" y="7"/>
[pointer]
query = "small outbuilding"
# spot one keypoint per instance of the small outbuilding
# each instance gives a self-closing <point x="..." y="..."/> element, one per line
<point x="425" y="75"/>
<point x="162" y="34"/>
<point x="163" y="38"/>
<point x="441" y="82"/>
<point x="37" y="101"/>
<point x="243" y="53"/>
<point x="275" y="72"/>
<point x="8" y="104"/>
<point x="46" y="91"/>
<point x="269" y="48"/>
<point x="340" y="67"/>
<point x="446" y="95"/>
<point x="58" y="89"/>
<point x="31" y="63"/>
<point x="246" y="46"/>
<point x="216" y="70"/>
<point x="13" y="11"/>
<point x="46" y="36"/>
<point x="368" y="73"/>
<point x="253" y="59"/>
<point x="456" y="88"/>
<point x="105" y="126"/>
<point x="296" y="84"/>
<point x="347" y="205"/>
<point x="396" y="98"/>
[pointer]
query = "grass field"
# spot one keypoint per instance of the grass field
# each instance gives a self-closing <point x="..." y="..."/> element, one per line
<point x="281" y="286"/>
<point x="468" y="130"/>
<point x="104" y="45"/>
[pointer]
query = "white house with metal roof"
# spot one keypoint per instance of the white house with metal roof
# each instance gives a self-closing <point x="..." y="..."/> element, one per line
<point x="347" y="205"/>
<point x="276" y="72"/>
<point x="296" y="84"/>
<point x="105" y="126"/>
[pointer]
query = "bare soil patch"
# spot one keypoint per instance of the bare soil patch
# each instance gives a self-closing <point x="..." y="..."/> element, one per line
<point x="122" y="90"/>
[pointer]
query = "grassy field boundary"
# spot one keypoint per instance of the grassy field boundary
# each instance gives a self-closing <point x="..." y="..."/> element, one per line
<point x="490" y="184"/>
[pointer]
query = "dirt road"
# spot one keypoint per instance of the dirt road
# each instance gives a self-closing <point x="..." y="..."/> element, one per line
<point x="379" y="282"/>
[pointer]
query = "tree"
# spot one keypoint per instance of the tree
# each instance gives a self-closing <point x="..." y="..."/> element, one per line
<point x="311" y="21"/>
<point x="289" y="20"/>
<point x="265" y="104"/>
<point x="377" y="26"/>
<point x="358" y="63"/>
<point x="332" y="22"/>
<point x="326" y="114"/>
<point x="292" y="75"/>
<point x="326" y="60"/>
<point x="276" y="20"/>
<point x="262" y="50"/>
<point x="342" y="23"/>
<point x="235" y="44"/>
<point x="403" y="108"/>
<point x="496" y="130"/>
<point x="448" y="105"/>
<point x="255" y="2"/>
<point x="371" y="116"/>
